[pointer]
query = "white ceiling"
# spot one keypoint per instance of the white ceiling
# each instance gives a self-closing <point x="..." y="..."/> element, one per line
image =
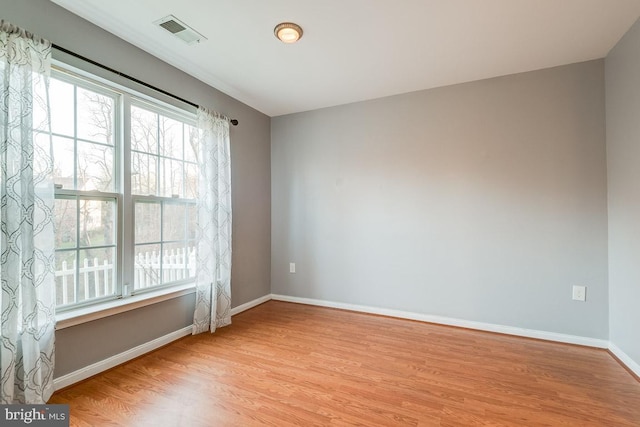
<point x="354" y="50"/>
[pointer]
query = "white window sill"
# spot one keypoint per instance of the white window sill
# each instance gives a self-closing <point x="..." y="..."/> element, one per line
<point x="99" y="311"/>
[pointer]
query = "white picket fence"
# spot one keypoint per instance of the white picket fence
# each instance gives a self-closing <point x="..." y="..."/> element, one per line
<point x="97" y="277"/>
<point x="176" y="265"/>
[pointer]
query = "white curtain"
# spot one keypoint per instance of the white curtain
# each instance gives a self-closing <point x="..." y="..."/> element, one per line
<point x="26" y="234"/>
<point x="213" y="276"/>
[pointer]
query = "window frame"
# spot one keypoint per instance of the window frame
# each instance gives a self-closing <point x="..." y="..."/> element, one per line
<point x="124" y="271"/>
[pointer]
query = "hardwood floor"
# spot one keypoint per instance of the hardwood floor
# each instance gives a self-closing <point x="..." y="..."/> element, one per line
<point x="288" y="364"/>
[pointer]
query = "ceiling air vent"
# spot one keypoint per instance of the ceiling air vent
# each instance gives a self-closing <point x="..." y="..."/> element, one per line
<point x="180" y="29"/>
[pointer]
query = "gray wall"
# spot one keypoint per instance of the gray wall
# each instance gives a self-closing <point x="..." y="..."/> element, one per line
<point x="85" y="344"/>
<point x="483" y="201"/>
<point x="623" y="164"/>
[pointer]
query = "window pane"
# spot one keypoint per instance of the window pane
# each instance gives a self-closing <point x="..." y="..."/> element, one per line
<point x="95" y="167"/>
<point x="97" y="222"/>
<point x="144" y="130"/>
<point x="173" y="222"/>
<point x="174" y="262"/>
<point x="172" y="178"/>
<point x="147" y="222"/>
<point x="97" y="273"/>
<point x="191" y="144"/>
<point x="171" y="138"/>
<point x="61" y="101"/>
<point x="66" y="217"/>
<point x="65" y="277"/>
<point x="147" y="266"/>
<point x="191" y="181"/>
<point x="192" y="221"/>
<point x="96" y="116"/>
<point x="143" y="174"/>
<point x="62" y="161"/>
<point x="191" y="260"/>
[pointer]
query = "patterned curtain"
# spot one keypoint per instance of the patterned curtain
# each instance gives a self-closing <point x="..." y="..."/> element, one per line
<point x="26" y="208"/>
<point x="213" y="276"/>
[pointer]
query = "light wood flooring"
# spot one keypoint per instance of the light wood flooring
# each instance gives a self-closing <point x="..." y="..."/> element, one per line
<point x="284" y="364"/>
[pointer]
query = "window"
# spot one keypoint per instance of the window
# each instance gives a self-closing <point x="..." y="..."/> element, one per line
<point x="126" y="176"/>
<point x="164" y="179"/>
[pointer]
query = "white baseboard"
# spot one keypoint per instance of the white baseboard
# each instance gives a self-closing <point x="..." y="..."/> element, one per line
<point x="625" y="359"/>
<point x="103" y="365"/>
<point x="250" y="304"/>
<point x="490" y="327"/>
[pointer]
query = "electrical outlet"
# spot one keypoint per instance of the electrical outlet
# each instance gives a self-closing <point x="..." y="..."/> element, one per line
<point x="292" y="267"/>
<point x="580" y="293"/>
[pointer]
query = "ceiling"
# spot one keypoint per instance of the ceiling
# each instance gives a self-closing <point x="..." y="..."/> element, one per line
<point x="353" y="50"/>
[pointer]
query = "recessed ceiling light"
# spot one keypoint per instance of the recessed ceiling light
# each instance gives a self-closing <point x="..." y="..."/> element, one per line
<point x="288" y="32"/>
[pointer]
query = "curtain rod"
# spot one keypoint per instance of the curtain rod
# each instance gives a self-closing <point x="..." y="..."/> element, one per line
<point x="133" y="79"/>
